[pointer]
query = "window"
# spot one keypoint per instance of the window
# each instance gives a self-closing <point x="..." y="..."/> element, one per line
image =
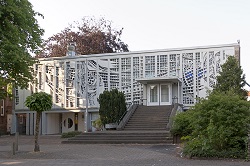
<point x="16" y="96"/>
<point x="2" y="108"/>
<point x="2" y="111"/>
<point x="150" y="66"/>
<point x="21" y="119"/>
<point x="68" y="123"/>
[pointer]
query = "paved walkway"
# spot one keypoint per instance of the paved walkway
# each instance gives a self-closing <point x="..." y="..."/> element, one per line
<point x="54" y="153"/>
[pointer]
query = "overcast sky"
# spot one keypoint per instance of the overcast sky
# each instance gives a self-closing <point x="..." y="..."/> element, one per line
<point x="159" y="24"/>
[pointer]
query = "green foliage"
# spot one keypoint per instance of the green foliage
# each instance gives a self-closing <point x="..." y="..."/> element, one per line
<point x="216" y="127"/>
<point x="231" y="78"/>
<point x="98" y="124"/>
<point x="112" y="106"/>
<point x="20" y="35"/>
<point x="70" y="134"/>
<point x="39" y="102"/>
<point x="182" y="123"/>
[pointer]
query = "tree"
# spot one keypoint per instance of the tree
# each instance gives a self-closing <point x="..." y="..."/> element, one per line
<point x="92" y="36"/>
<point x="231" y="78"/>
<point x="112" y="106"/>
<point x="215" y="127"/>
<point x="20" y="35"/>
<point x="38" y="102"/>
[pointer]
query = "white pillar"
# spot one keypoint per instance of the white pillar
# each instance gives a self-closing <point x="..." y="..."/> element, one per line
<point x="86" y="114"/>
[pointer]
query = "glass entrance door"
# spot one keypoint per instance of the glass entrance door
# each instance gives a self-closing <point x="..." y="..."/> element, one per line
<point x="153" y="95"/>
<point x="165" y="95"/>
<point x="159" y="94"/>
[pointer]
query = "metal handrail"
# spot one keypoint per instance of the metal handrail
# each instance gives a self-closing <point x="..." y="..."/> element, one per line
<point x="128" y="108"/>
<point x="172" y="115"/>
<point x="125" y="117"/>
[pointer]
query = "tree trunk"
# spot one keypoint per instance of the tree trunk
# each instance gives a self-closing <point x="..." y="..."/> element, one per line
<point x="38" y="116"/>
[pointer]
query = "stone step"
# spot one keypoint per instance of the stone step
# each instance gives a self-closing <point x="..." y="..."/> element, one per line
<point x="165" y="141"/>
<point x="149" y="122"/>
<point x="146" y="125"/>
<point x="149" y="137"/>
<point x="149" y="119"/>
<point x="153" y="115"/>
<point x="123" y="133"/>
<point x="144" y="129"/>
<point x="122" y="137"/>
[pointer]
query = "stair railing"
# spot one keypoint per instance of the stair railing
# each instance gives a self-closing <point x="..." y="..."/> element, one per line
<point x="126" y="116"/>
<point x="176" y="107"/>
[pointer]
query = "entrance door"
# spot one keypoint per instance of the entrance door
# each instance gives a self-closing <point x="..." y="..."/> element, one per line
<point x="153" y="94"/>
<point x="159" y="94"/>
<point x="164" y="94"/>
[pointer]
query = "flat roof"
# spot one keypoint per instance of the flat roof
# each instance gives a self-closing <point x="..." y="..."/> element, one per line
<point x="141" y="52"/>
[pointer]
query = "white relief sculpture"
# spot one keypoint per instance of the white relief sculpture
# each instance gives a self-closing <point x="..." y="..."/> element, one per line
<point x="188" y="78"/>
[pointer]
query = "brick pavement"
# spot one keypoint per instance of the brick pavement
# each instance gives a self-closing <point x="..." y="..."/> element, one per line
<point x="55" y="153"/>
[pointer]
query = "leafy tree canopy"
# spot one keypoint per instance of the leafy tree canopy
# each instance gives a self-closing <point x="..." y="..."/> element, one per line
<point x="39" y="102"/>
<point x="91" y="35"/>
<point x="20" y="35"/>
<point x="231" y="78"/>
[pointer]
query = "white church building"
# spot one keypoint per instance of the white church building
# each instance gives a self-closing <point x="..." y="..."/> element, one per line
<point x="154" y="77"/>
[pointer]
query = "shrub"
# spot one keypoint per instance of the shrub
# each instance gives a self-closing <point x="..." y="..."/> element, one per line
<point x="98" y="124"/>
<point x="70" y="134"/>
<point x="112" y="106"/>
<point x="182" y="123"/>
<point x="215" y="127"/>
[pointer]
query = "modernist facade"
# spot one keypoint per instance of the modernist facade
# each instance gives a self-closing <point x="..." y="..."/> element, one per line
<point x="156" y="77"/>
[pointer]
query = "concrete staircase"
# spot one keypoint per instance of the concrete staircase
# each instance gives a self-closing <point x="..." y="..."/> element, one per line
<point x="149" y="118"/>
<point x="122" y="137"/>
<point x="146" y="126"/>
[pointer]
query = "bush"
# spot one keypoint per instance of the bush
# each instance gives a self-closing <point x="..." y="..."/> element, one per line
<point x="182" y="123"/>
<point x="215" y="127"/>
<point x="70" y="134"/>
<point x="98" y="124"/>
<point x="112" y="106"/>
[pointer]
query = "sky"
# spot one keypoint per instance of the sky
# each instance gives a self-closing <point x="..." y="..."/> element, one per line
<point x="159" y="24"/>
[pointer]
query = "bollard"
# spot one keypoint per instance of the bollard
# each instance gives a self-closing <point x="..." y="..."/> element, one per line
<point x="13" y="148"/>
<point x="16" y="140"/>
